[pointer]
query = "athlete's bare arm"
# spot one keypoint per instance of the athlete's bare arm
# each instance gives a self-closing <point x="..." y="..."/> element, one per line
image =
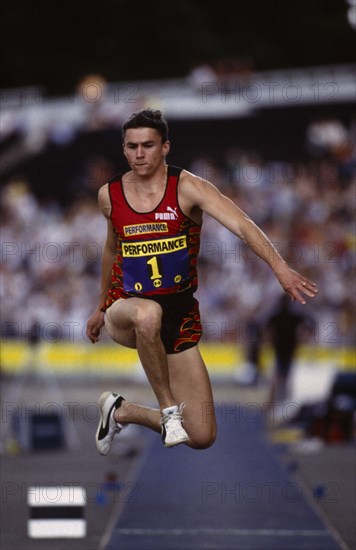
<point x="96" y="320"/>
<point x="197" y="194"/>
<point x="104" y="201"/>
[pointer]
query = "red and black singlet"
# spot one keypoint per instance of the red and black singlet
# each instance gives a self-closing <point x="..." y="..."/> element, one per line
<point x="156" y="251"/>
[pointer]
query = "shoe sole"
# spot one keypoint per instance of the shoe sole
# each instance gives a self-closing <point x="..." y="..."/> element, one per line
<point x="179" y="442"/>
<point x="102" y="404"/>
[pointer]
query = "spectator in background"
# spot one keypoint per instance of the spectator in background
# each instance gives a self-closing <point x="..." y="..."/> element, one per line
<point x="284" y="328"/>
<point x="252" y="368"/>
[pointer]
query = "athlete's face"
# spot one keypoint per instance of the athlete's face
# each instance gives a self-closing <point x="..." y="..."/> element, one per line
<point x="144" y="150"/>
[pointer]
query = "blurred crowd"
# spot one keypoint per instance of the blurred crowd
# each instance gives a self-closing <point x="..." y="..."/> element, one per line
<point x="51" y="252"/>
<point x="307" y="209"/>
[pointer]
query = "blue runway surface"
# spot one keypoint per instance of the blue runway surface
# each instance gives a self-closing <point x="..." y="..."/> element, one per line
<point x="235" y="495"/>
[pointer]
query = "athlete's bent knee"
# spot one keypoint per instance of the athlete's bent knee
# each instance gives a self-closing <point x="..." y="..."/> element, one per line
<point x="148" y="319"/>
<point x="204" y="441"/>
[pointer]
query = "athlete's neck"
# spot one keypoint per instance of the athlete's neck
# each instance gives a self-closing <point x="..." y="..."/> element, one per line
<point x="147" y="181"/>
<point x="144" y="193"/>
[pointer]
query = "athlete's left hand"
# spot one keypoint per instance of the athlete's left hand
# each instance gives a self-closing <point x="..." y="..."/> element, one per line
<point x="296" y="284"/>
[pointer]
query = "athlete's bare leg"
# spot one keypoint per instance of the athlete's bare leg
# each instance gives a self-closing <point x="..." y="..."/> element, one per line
<point x="189" y="382"/>
<point x="136" y="322"/>
<point x="180" y="377"/>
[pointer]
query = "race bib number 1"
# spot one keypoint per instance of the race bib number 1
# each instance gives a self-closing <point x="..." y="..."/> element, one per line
<point x="166" y="268"/>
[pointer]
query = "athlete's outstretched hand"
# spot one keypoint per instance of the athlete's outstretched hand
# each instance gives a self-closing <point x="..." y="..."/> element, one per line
<point x="94" y="325"/>
<point x="296" y="284"/>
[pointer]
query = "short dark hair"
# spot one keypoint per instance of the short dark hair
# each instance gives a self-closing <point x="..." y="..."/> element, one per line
<point x="147" y="118"/>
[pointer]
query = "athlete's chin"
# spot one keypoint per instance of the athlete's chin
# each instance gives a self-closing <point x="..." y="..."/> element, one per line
<point x="143" y="169"/>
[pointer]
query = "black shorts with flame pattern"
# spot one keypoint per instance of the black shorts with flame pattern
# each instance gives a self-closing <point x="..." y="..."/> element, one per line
<point x="181" y="324"/>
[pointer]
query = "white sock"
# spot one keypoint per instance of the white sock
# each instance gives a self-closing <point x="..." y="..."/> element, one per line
<point x="170" y="410"/>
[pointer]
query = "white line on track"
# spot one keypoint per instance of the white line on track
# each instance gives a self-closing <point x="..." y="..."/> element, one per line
<point x="225" y="532"/>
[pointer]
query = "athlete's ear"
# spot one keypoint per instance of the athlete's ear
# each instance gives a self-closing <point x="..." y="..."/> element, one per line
<point x="166" y="147"/>
<point x="123" y="149"/>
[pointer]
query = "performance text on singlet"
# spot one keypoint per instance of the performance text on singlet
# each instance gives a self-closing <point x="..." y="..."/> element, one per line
<point x="147" y="248"/>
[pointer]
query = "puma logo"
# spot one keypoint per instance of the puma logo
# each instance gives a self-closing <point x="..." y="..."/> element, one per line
<point x="171" y="214"/>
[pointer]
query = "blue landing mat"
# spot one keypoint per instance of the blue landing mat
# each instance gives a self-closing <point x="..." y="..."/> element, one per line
<point x="235" y="495"/>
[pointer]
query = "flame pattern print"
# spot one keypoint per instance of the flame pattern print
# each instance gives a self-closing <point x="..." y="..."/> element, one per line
<point x="190" y="330"/>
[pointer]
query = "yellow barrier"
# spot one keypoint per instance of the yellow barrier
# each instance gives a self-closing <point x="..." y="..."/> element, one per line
<point x="107" y="358"/>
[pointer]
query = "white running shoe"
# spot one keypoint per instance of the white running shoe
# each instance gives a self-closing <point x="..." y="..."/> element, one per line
<point x="173" y="432"/>
<point x="108" y="427"/>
